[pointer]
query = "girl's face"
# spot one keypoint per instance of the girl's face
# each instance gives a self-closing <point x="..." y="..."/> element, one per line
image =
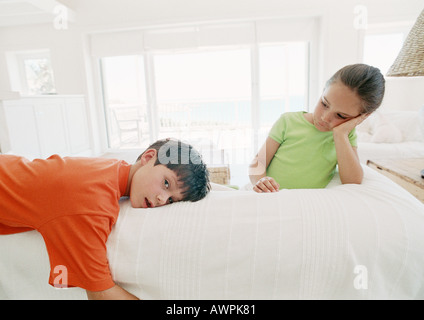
<point x="337" y="105"/>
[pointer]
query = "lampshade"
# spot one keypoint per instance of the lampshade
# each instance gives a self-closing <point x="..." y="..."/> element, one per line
<point x="410" y="61"/>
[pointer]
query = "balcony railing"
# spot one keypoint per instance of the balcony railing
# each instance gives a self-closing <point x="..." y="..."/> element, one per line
<point x="208" y="124"/>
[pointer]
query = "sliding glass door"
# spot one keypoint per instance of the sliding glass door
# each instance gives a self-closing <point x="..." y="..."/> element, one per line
<point x="125" y="102"/>
<point x="283" y="81"/>
<point x="222" y="100"/>
<point x="205" y="98"/>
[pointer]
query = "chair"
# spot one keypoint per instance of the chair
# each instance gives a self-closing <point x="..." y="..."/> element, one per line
<point x="128" y="119"/>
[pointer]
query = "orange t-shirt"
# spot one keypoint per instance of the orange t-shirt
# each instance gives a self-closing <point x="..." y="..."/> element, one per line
<point x="73" y="203"/>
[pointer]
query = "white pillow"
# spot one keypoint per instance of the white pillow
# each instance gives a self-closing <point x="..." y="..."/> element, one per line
<point x="385" y="131"/>
<point x="364" y="136"/>
<point x="407" y="122"/>
<point x="367" y="125"/>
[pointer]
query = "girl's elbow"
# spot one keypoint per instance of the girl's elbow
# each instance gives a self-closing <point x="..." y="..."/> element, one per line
<point x="355" y="180"/>
<point x="358" y="181"/>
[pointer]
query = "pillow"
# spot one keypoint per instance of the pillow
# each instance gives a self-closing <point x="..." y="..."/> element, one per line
<point x="366" y="126"/>
<point x="385" y="131"/>
<point x="407" y="122"/>
<point x="364" y="136"/>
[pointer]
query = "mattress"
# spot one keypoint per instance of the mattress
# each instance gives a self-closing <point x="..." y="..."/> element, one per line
<point x="343" y="242"/>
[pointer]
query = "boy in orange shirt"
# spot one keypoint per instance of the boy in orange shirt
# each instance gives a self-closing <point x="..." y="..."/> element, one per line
<point x="74" y="202"/>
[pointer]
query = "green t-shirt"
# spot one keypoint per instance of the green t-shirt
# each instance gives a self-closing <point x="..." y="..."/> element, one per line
<point x="306" y="157"/>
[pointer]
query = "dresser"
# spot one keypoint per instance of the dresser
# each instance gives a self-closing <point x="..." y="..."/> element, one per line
<point x="39" y="126"/>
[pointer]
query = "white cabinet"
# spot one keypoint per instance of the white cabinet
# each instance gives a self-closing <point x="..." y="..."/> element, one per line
<point x="37" y="127"/>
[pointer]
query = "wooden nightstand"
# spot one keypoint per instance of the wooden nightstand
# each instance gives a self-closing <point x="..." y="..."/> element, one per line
<point x="405" y="172"/>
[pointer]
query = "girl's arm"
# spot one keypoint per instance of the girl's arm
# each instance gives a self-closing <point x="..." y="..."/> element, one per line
<point x="350" y="169"/>
<point x="257" y="168"/>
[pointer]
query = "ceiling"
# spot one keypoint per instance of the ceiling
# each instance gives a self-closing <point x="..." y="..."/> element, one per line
<point x="21" y="12"/>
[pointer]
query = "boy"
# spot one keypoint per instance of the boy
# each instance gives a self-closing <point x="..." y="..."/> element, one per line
<point x="74" y="202"/>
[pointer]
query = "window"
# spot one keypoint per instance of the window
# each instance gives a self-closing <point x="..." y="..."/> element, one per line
<point x="39" y="76"/>
<point x="382" y="44"/>
<point x="205" y="97"/>
<point x="218" y="86"/>
<point x="31" y="72"/>
<point x="283" y="81"/>
<point x="381" y="50"/>
<point x="124" y="93"/>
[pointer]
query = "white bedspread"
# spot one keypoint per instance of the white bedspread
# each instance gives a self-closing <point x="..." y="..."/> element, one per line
<point x="344" y="242"/>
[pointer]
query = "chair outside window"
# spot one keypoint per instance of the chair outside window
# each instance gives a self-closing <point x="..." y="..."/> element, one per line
<point x="129" y="122"/>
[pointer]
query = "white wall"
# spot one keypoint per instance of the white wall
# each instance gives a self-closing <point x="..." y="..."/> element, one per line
<point x="66" y="54"/>
<point x="404" y="94"/>
<point x="339" y="40"/>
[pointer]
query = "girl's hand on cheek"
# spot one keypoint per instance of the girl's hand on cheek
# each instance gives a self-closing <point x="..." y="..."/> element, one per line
<point x="346" y="127"/>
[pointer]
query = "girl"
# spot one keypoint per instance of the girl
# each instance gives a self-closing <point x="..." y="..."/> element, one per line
<point x="303" y="149"/>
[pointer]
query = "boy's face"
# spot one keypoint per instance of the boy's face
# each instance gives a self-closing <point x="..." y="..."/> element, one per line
<point x="153" y="186"/>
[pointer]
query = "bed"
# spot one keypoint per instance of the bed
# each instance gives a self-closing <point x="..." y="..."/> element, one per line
<point x="343" y="242"/>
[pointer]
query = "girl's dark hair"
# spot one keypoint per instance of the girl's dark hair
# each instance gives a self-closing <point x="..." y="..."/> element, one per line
<point x="366" y="81"/>
<point x="187" y="163"/>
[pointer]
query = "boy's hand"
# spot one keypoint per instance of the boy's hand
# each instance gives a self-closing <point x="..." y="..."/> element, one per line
<point x="266" y="184"/>
<point x="114" y="293"/>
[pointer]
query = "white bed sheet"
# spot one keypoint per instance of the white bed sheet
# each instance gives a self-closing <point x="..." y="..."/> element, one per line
<point x="343" y="242"/>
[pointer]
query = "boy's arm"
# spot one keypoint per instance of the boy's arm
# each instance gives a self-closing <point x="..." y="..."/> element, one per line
<point x="114" y="293"/>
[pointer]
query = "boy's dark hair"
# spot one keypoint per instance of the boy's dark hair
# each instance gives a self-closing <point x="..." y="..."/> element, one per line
<point x="366" y="81"/>
<point x="187" y="163"/>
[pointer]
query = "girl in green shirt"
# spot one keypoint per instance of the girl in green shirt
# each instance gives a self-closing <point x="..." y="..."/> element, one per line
<point x="303" y="149"/>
